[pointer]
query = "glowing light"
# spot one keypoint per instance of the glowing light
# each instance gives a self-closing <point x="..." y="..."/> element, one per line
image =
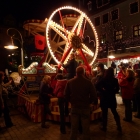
<point x="61" y="31"/>
<point x="125" y="61"/>
<point x="111" y="56"/>
<point x="11" y="47"/>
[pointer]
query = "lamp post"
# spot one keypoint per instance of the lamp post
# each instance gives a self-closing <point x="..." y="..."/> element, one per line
<point x="20" y="39"/>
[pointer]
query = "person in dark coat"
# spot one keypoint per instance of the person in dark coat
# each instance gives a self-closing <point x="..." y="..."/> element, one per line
<point x="80" y="92"/>
<point x="44" y="97"/>
<point x="99" y="76"/>
<point x="108" y="88"/>
<point x="136" y="88"/>
<point x="3" y="100"/>
<point x="71" y="67"/>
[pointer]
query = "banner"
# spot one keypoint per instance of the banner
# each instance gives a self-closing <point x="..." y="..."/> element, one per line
<point x="40" y="42"/>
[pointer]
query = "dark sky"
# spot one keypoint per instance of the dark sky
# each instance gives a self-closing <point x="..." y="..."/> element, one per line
<point x="32" y="9"/>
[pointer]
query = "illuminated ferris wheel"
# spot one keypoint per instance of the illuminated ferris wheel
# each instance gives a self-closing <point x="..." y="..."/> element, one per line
<point x="66" y="34"/>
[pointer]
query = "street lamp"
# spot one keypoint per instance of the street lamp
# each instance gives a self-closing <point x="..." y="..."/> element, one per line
<point x="20" y="39"/>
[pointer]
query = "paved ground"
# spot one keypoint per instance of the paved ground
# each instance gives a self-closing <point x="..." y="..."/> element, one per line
<point x="27" y="130"/>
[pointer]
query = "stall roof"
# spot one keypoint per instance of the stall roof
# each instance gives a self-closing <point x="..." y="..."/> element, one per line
<point x="121" y="56"/>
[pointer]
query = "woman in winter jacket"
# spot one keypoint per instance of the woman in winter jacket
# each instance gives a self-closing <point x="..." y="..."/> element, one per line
<point x="63" y="106"/>
<point x="126" y="85"/>
<point x="136" y="87"/>
<point x="108" y="88"/>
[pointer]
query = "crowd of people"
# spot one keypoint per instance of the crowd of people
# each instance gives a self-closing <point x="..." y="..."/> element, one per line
<point x="80" y="89"/>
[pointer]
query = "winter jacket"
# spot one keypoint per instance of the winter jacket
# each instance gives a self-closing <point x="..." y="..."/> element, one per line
<point x="108" y="89"/>
<point x="127" y="88"/>
<point x="80" y="92"/>
<point x="120" y="75"/>
<point x="97" y="80"/>
<point x="59" y="88"/>
<point x="45" y="89"/>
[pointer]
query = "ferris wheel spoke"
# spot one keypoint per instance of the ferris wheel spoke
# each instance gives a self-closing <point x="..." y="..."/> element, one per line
<point x="84" y="58"/>
<point x="58" y="32"/>
<point x="86" y="50"/>
<point x="58" y="28"/>
<point x="60" y="43"/>
<point x="61" y="48"/>
<point x="78" y="24"/>
<point x="68" y="56"/>
<point x="65" y="56"/>
<point x="59" y="52"/>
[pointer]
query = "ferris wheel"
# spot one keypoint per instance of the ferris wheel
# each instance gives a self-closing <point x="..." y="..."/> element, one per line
<point x="62" y="40"/>
<point x="68" y="30"/>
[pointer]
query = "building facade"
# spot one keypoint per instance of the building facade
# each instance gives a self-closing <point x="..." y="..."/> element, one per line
<point x="118" y="25"/>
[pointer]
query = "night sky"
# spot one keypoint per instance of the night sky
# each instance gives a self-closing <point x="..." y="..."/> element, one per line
<point x="23" y="10"/>
<point x="32" y="9"/>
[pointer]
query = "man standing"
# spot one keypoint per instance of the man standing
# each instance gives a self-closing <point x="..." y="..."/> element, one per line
<point x="80" y="92"/>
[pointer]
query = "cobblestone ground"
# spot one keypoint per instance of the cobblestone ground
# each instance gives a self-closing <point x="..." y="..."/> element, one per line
<point x="24" y="129"/>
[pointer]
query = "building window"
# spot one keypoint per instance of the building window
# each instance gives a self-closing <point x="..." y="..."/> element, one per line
<point x="97" y="21"/>
<point x="136" y="30"/>
<point x="105" y="18"/>
<point x="115" y="14"/>
<point x="134" y="8"/>
<point x="118" y="35"/>
<point x="101" y="3"/>
<point x="89" y="6"/>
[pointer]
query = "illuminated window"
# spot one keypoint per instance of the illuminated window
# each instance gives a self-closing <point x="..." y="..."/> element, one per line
<point x="118" y="35"/>
<point x="97" y="21"/>
<point x="134" y="8"/>
<point x="136" y="30"/>
<point x="101" y="3"/>
<point x="105" y="18"/>
<point x="115" y="14"/>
